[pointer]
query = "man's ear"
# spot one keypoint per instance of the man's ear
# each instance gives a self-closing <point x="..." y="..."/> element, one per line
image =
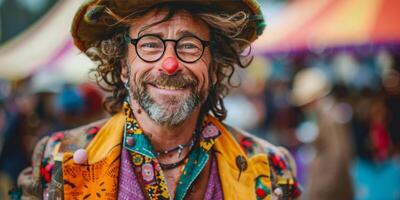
<point x="124" y="71"/>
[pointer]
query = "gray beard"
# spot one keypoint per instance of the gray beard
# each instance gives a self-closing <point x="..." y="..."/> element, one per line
<point x="166" y="115"/>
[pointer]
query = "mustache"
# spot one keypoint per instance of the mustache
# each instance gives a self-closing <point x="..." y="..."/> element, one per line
<point x="177" y="80"/>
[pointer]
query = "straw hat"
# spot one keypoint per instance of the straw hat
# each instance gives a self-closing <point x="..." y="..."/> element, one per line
<point x="309" y="85"/>
<point x="88" y="26"/>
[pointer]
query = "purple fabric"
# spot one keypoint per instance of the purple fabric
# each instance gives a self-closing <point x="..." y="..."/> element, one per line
<point x="129" y="188"/>
<point x="214" y="190"/>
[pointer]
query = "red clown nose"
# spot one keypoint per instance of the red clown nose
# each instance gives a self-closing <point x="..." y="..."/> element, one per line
<point x="170" y="65"/>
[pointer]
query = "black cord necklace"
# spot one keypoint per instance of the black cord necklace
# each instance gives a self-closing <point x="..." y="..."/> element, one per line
<point x="178" y="148"/>
<point x="173" y="165"/>
<point x="169" y="166"/>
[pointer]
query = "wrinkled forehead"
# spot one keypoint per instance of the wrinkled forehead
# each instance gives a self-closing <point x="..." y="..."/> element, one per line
<point x="179" y="23"/>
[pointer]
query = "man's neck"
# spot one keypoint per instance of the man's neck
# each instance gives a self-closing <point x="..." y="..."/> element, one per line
<point x="163" y="137"/>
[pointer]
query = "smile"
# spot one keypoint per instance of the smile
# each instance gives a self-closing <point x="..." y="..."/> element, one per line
<point x="164" y="87"/>
<point x="167" y="89"/>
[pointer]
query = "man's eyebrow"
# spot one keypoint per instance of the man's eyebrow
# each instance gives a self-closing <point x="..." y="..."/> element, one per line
<point x="144" y="32"/>
<point x="184" y="33"/>
<point x="180" y="33"/>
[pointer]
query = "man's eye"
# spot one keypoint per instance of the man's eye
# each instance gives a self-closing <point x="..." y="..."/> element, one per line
<point x="187" y="46"/>
<point x="150" y="45"/>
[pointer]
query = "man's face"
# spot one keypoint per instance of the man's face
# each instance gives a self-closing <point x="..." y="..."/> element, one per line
<point x="169" y="90"/>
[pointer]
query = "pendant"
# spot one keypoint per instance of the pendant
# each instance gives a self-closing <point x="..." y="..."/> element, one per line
<point x="180" y="150"/>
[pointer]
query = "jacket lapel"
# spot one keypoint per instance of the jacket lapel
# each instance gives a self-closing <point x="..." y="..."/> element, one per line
<point x="238" y="172"/>
<point x="98" y="177"/>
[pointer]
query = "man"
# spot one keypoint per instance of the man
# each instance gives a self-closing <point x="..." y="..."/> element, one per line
<point x="168" y="65"/>
<point x="330" y="166"/>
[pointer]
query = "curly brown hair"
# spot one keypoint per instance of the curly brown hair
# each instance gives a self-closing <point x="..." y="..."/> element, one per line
<point x="226" y="50"/>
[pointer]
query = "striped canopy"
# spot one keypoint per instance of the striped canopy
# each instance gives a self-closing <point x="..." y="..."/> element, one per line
<point x="46" y="46"/>
<point x="328" y="24"/>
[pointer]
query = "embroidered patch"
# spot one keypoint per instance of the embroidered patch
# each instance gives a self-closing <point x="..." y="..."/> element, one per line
<point x="56" y="137"/>
<point x="148" y="172"/>
<point x="91" y="132"/>
<point x="137" y="159"/>
<point x="262" y="190"/>
<point x="95" y="181"/>
<point x="157" y="166"/>
<point x="130" y="123"/>
<point x="45" y="170"/>
<point x="277" y="163"/>
<point x="247" y="145"/>
<point x="210" y="131"/>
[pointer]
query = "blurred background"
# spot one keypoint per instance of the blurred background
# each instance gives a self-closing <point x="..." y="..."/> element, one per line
<point x="325" y="83"/>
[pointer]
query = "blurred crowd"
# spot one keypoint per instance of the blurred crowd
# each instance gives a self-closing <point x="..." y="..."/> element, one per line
<point x="338" y="114"/>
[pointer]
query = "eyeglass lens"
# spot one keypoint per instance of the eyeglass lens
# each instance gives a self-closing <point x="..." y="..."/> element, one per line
<point x="151" y="48"/>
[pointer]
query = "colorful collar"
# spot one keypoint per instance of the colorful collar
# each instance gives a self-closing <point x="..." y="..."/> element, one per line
<point x="135" y="140"/>
<point x="145" y="162"/>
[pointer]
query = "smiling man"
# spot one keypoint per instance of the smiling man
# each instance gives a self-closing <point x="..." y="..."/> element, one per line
<point x="168" y="65"/>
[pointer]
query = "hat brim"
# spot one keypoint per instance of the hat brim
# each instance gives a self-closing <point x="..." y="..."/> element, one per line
<point x="87" y="26"/>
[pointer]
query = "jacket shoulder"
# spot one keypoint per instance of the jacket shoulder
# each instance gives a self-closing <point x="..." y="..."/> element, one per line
<point x="80" y="137"/>
<point x="281" y="163"/>
<point x="252" y="145"/>
<point x="36" y="178"/>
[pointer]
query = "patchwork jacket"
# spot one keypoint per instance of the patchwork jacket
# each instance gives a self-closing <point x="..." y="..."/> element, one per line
<point x="248" y="167"/>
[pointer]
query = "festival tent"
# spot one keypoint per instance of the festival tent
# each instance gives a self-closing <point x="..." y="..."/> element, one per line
<point x="318" y="25"/>
<point x="46" y="46"/>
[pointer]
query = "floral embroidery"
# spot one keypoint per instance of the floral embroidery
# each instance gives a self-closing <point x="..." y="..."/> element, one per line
<point x="262" y="191"/>
<point x="295" y="189"/>
<point x="57" y="136"/>
<point x="91" y="132"/>
<point x="208" y="134"/>
<point x="210" y="131"/>
<point x="147" y="172"/>
<point x="47" y="164"/>
<point x="45" y="170"/>
<point x="137" y="159"/>
<point x="132" y="127"/>
<point x="280" y="178"/>
<point x="247" y="145"/>
<point x="277" y="163"/>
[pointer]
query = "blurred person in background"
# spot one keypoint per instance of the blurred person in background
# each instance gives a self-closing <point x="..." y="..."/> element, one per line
<point x="328" y="172"/>
<point x="5" y="174"/>
<point x="77" y="105"/>
<point x="29" y="110"/>
<point x="168" y="66"/>
<point x="376" y="169"/>
<point x="391" y="85"/>
<point x="93" y="98"/>
<point x="17" y="132"/>
<point x="69" y="108"/>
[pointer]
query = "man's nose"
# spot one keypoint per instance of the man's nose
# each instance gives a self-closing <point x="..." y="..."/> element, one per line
<point x="170" y="63"/>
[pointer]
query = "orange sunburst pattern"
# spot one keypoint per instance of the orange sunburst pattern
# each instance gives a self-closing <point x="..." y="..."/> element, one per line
<point x="96" y="181"/>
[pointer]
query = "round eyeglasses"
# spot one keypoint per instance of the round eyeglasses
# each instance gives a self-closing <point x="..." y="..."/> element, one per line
<point x="151" y="48"/>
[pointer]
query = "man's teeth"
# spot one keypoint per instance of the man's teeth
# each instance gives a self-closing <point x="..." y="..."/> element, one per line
<point x="168" y="87"/>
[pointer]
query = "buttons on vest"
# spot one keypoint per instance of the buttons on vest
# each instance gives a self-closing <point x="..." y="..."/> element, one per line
<point x="80" y="156"/>
<point x="278" y="192"/>
<point x="241" y="163"/>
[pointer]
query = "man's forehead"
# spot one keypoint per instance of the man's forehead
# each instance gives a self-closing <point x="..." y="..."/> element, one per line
<point x="182" y="22"/>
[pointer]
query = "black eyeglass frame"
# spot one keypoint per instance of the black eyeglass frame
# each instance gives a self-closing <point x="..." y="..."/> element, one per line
<point x="134" y="42"/>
